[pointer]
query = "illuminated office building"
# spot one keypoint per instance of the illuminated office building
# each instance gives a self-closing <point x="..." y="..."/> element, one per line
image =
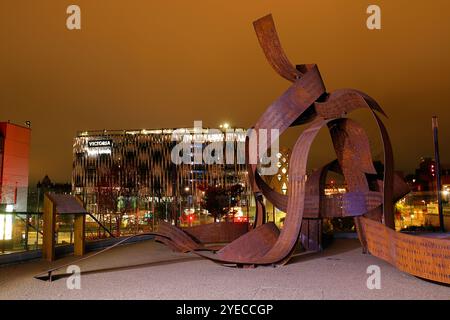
<point x="132" y="170"/>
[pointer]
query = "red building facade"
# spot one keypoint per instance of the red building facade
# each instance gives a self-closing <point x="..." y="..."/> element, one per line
<point x="14" y="166"/>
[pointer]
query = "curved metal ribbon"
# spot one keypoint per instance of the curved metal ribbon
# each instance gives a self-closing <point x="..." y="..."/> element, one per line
<point x="270" y="43"/>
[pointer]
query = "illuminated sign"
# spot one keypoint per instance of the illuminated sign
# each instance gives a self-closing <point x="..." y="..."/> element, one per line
<point x="99" y="143"/>
<point x="96" y="147"/>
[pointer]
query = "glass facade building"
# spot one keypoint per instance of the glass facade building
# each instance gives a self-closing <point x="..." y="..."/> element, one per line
<point x="128" y="178"/>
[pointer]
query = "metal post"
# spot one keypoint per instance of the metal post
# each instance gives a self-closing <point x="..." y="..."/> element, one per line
<point x="71" y="233"/>
<point x="178" y="223"/>
<point x="38" y="199"/>
<point x="248" y="208"/>
<point x="27" y="216"/>
<point x="37" y="216"/>
<point x="438" y="172"/>
<point x="153" y="211"/>
<point x="37" y="220"/>
<point x="167" y="219"/>
<point x="3" y="217"/>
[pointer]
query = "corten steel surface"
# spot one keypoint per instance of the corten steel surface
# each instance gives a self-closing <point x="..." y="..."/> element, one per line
<point x="176" y="238"/>
<point x="270" y="43"/>
<point x="62" y="204"/>
<point x="369" y="200"/>
<point x="252" y="245"/>
<point x="222" y="232"/>
<point x="424" y="257"/>
<point x="67" y="204"/>
<point x="355" y="161"/>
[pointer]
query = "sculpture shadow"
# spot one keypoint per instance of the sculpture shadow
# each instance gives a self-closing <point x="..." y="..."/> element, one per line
<point x="333" y="249"/>
<point x="119" y="268"/>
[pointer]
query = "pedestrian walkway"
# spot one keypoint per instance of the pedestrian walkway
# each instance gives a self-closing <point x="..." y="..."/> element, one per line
<point x="149" y="270"/>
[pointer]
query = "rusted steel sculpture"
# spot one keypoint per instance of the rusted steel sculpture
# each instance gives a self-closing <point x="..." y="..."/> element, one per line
<point x="369" y="200"/>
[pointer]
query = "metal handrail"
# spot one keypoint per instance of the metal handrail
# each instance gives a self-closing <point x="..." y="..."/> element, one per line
<point x="50" y="271"/>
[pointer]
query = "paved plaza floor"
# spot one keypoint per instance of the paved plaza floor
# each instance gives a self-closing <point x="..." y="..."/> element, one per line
<point x="149" y="270"/>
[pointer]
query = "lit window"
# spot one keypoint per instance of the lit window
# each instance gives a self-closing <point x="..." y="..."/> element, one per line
<point x="6" y="226"/>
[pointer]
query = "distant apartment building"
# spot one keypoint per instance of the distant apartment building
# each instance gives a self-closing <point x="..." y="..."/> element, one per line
<point x="424" y="178"/>
<point x="420" y="207"/>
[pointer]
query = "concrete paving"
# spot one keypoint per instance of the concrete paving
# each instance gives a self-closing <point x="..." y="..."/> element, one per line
<point x="148" y="270"/>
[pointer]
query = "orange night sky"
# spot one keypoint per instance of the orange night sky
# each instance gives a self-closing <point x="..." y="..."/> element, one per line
<point x="152" y="64"/>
